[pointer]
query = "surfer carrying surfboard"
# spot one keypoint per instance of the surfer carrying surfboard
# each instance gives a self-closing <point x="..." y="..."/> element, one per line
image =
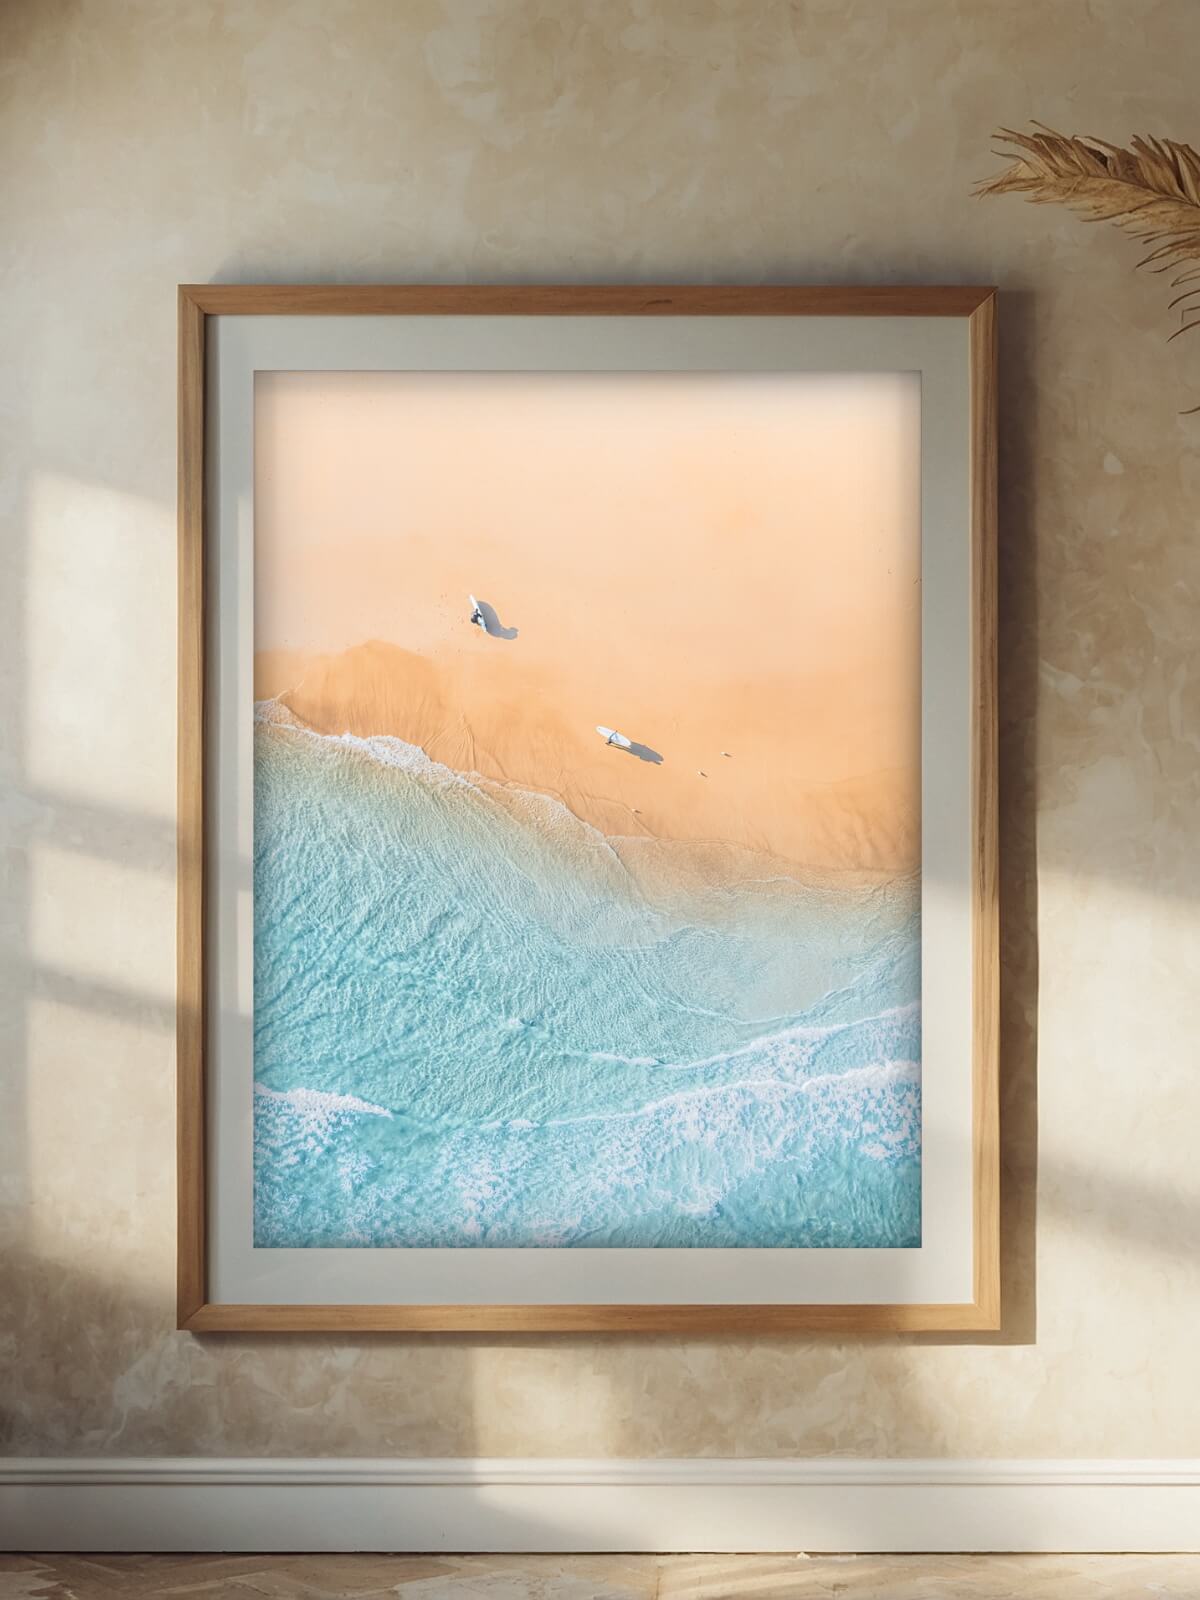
<point x="477" y="615"/>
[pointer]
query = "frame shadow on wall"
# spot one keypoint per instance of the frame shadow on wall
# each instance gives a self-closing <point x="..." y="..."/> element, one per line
<point x="1018" y="636"/>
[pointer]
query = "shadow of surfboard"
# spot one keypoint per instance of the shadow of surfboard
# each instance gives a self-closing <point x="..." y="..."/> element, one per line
<point x="492" y="625"/>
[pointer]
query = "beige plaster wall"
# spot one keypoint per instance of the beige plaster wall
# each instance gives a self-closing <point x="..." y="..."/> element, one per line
<point x="146" y="142"/>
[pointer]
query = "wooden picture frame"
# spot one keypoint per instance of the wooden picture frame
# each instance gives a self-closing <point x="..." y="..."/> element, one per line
<point x="198" y="305"/>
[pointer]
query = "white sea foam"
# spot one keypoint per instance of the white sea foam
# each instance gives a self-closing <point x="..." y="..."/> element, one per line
<point x="385" y="749"/>
<point x="316" y="1112"/>
<point x="275" y="713"/>
<point x="388" y="750"/>
<point x="878" y="1076"/>
<point x="788" y="1048"/>
<point x="795" y="1047"/>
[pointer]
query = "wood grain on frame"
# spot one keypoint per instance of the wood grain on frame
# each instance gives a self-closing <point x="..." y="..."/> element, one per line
<point x="828" y="1319"/>
<point x="196" y="303"/>
<point x="587" y="300"/>
<point x="190" y="909"/>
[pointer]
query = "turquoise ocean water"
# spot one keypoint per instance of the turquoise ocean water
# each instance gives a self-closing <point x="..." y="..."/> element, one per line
<point x="480" y="1023"/>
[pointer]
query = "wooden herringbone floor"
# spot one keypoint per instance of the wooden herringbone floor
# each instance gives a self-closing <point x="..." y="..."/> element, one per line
<point x="601" y="1577"/>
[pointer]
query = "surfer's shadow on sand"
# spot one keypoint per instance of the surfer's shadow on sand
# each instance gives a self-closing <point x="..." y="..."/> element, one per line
<point x="643" y="752"/>
<point x="492" y="625"/>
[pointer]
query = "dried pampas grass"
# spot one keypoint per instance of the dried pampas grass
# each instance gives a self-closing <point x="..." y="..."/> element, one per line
<point x="1151" y="190"/>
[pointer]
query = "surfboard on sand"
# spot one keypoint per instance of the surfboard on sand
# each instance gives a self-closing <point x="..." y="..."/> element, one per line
<point x="611" y="736"/>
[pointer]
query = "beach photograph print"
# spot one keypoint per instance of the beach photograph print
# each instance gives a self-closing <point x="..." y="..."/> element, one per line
<point x="587" y="756"/>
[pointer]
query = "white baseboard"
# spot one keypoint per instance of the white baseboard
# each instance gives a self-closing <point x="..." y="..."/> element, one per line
<point x="532" y="1505"/>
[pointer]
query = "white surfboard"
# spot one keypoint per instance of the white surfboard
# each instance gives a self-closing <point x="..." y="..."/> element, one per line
<point x="611" y="736"/>
<point x="477" y="613"/>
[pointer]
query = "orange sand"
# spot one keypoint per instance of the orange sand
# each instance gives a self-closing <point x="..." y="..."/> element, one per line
<point x="709" y="565"/>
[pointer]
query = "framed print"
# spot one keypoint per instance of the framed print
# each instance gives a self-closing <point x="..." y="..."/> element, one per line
<point x="587" y="907"/>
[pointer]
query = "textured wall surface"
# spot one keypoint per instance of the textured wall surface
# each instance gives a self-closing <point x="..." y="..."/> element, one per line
<point x="739" y="140"/>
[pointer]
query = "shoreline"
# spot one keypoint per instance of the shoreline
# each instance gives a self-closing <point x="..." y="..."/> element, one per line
<point x="697" y="862"/>
<point x="521" y="729"/>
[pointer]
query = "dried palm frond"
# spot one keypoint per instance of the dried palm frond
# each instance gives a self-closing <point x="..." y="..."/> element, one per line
<point x="1151" y="190"/>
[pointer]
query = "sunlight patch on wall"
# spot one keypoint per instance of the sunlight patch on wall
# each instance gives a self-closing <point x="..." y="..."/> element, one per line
<point x="100" y="932"/>
<point x="100" y="627"/>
